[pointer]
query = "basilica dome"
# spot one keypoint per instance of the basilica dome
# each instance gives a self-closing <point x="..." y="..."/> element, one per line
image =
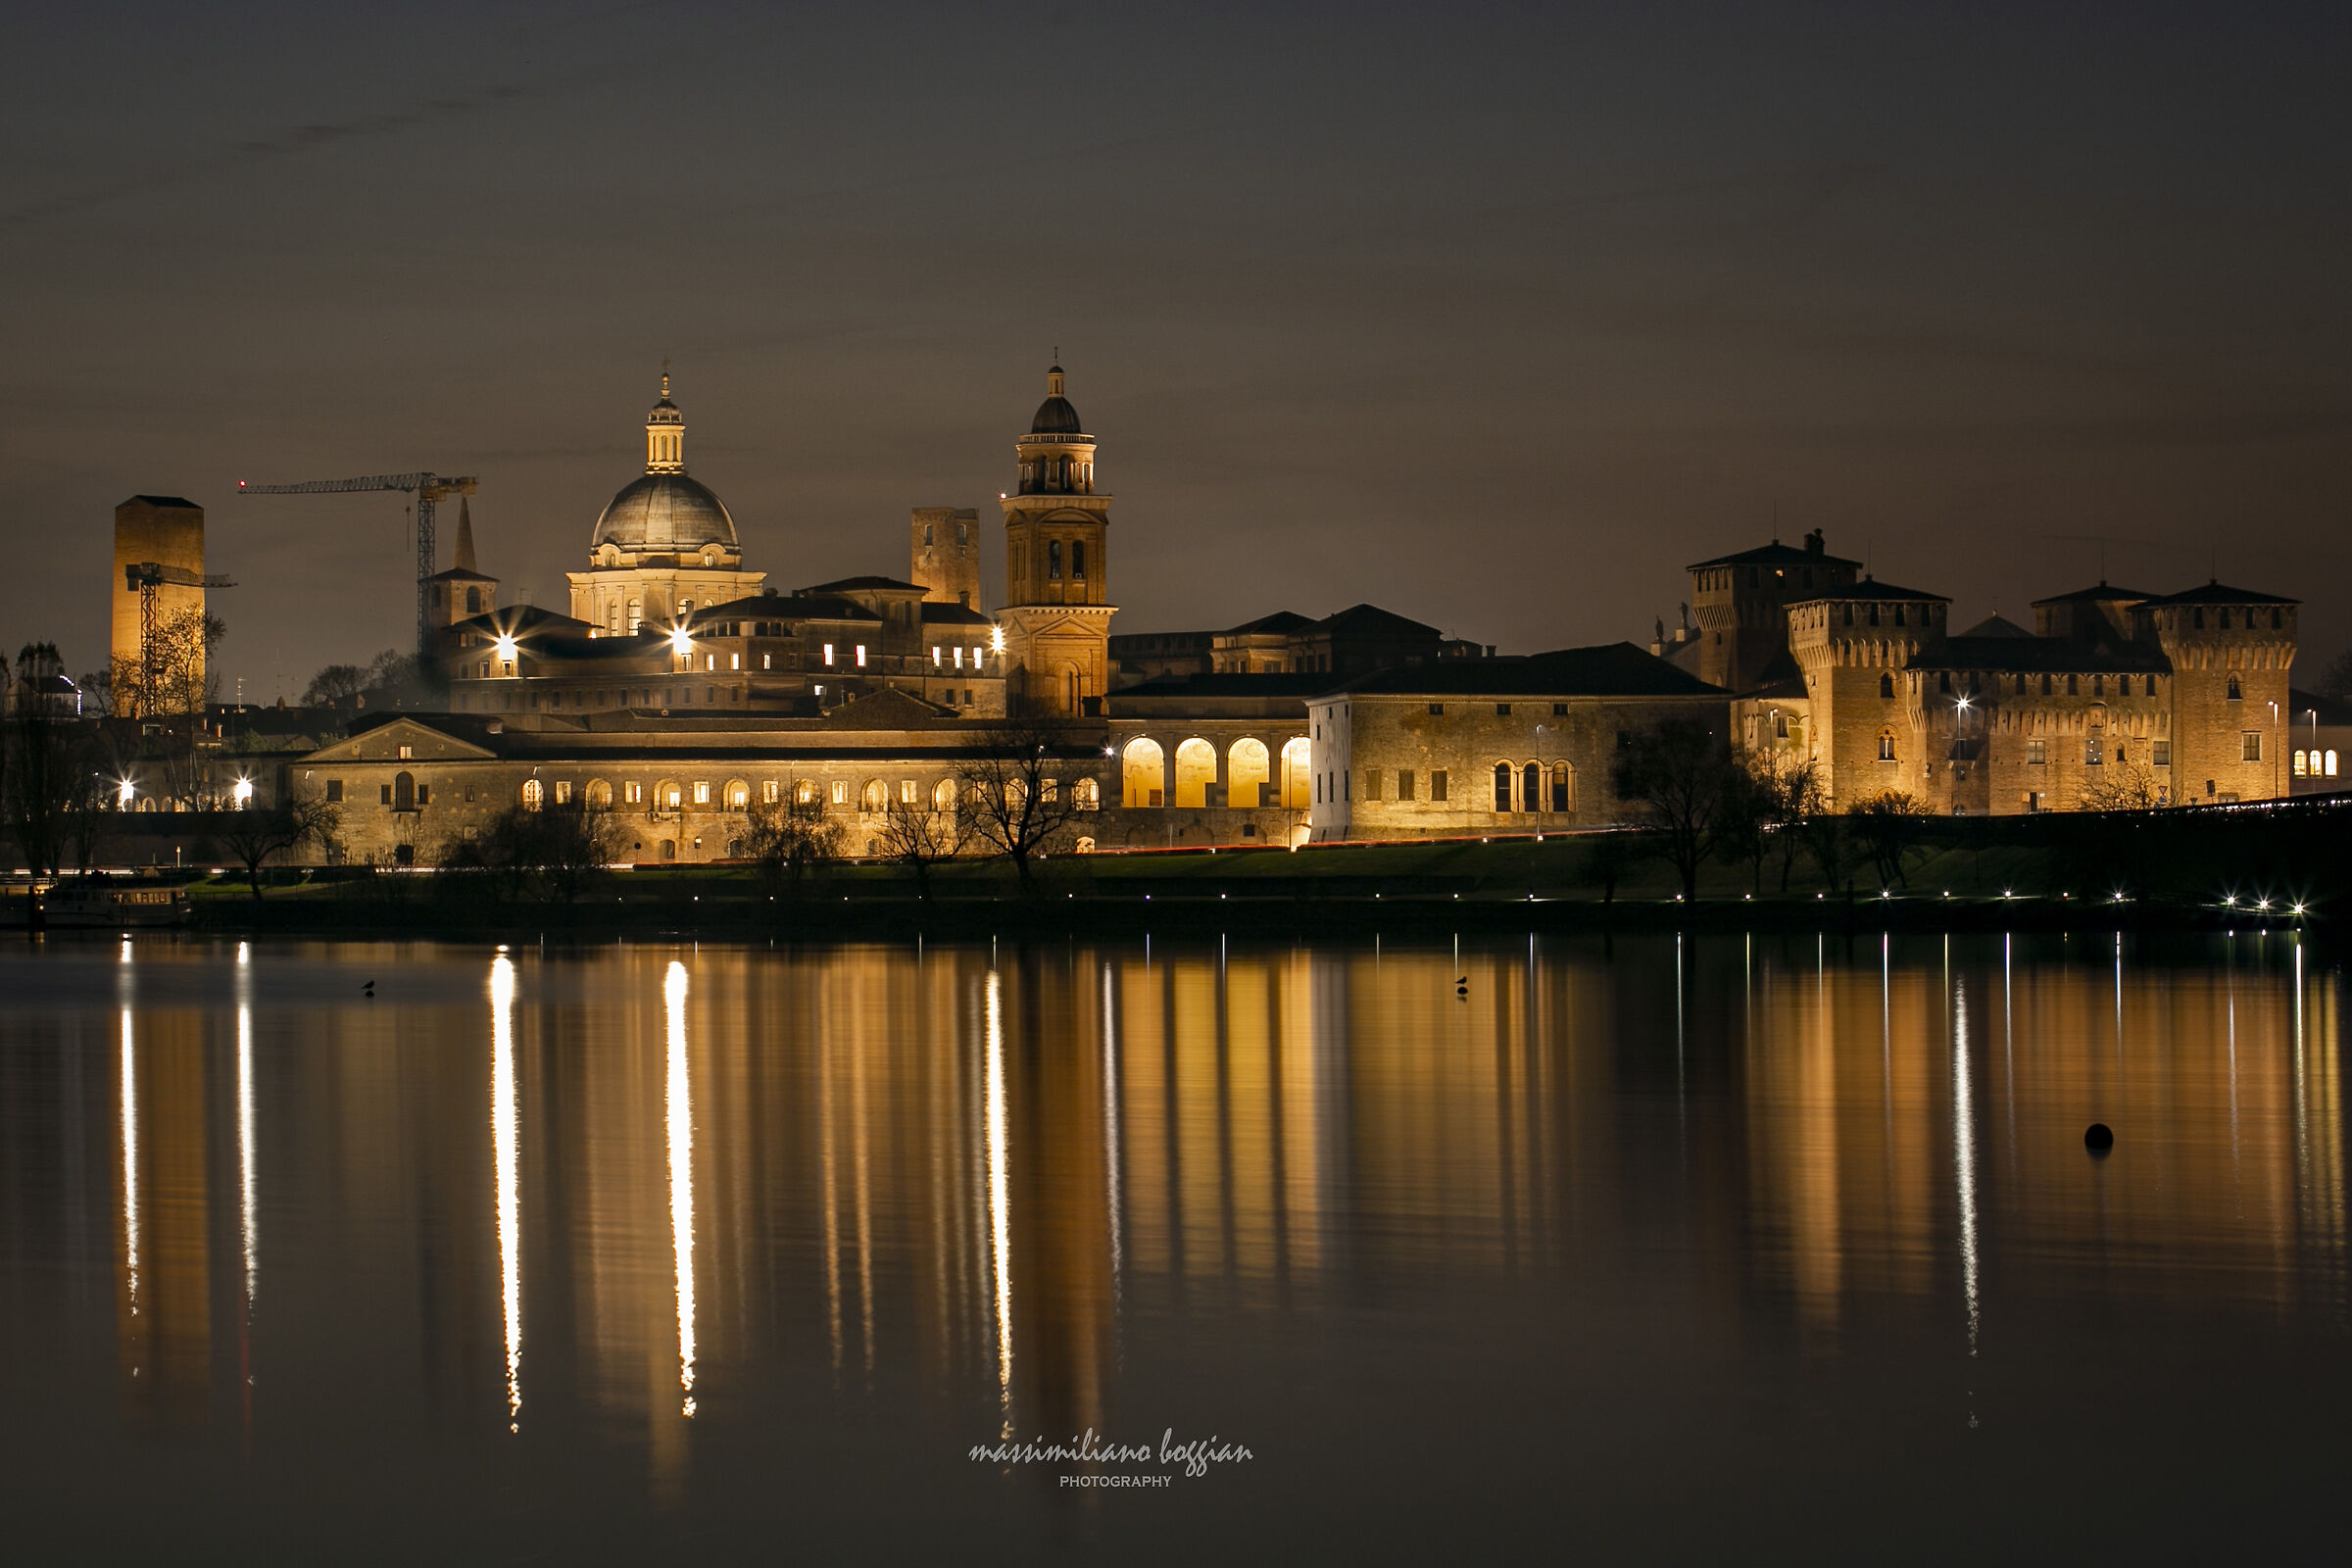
<point x="665" y="512"/>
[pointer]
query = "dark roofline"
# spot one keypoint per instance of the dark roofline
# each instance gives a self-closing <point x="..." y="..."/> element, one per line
<point x="2215" y="592"/>
<point x="1775" y="553"/>
<point x="2103" y="593"/>
<point x="1869" y="588"/>
<point x="164" y="501"/>
<point x="836" y="588"/>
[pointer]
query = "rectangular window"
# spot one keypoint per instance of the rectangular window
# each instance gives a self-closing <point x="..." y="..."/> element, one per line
<point x="841" y="792"/>
<point x="769" y="793"/>
<point x="906" y="792"/>
<point x="1502" y="789"/>
<point x="1371" y="784"/>
<point x="935" y="655"/>
<point x="563" y="792"/>
<point x="1404" y="784"/>
<point x="1502" y="709"/>
<point x="1559" y="709"/>
<point x="2163" y="754"/>
<point x="1436" y="709"/>
<point x="1054" y="559"/>
<point x="632" y="794"/>
<point x="1077" y="557"/>
<point x="861" y="656"/>
<point x="334" y="789"/>
<point x="1437" y="784"/>
<point x="384" y="792"/>
<point x="2038" y="753"/>
<point x="2253" y="748"/>
<point x="960" y="659"/>
<point x="702" y="791"/>
<point x="768" y="660"/>
<point x="425" y="795"/>
<point x="734" y="661"/>
<point x="1347" y="791"/>
<point x="828" y="653"/>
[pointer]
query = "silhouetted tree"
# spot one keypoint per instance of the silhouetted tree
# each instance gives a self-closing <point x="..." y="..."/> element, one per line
<point x="1021" y="796"/>
<point x="1889" y="823"/>
<point x="785" y="839"/>
<point x="1682" y="779"/>
<point x="256" y="833"/>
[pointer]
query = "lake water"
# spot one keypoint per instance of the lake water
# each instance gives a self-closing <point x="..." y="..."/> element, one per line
<point x="1750" y="1247"/>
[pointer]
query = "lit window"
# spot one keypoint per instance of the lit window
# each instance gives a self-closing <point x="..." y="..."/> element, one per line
<point x="766" y="661"/>
<point x="632" y="794"/>
<point x="2038" y="753"/>
<point x="841" y="792"/>
<point x="2253" y="746"/>
<point x="906" y="792"/>
<point x="861" y="656"/>
<point x="2301" y="766"/>
<point x="710" y="662"/>
<point x="958" y="658"/>
<point x="2163" y="754"/>
<point x="935" y="655"/>
<point x="1886" y="746"/>
<point x="734" y="661"/>
<point x="2331" y="763"/>
<point x="828" y="653"/>
<point x="563" y="792"/>
<point x="702" y="791"/>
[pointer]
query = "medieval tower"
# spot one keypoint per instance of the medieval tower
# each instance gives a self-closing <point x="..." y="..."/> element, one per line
<point x="1056" y="618"/>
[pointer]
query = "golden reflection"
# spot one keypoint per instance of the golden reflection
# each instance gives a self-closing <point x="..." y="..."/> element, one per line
<point x="129" y="1097"/>
<point x="1964" y="1156"/>
<point x="508" y="1156"/>
<point x="248" y="1216"/>
<point x="1000" y="1219"/>
<point x="678" y="1105"/>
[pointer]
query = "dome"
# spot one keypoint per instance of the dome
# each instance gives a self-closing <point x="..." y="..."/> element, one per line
<point x="1055" y="416"/>
<point x="665" y="512"/>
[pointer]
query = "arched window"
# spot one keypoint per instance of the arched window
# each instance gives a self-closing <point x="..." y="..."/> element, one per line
<point x="875" y="796"/>
<point x="739" y="794"/>
<point x="1196" y="771"/>
<point x="1248" y="769"/>
<point x="1531" y="787"/>
<point x="404" y="791"/>
<point x="1502" y="789"/>
<point x="1886" y="685"/>
<point x="804" y="792"/>
<point x="1886" y="743"/>
<point x="1087" y="793"/>
<point x="942" y="793"/>
<point x="1779" y="725"/>
<point x="474" y="601"/>
<point x="2331" y="761"/>
<point x="1143" y="775"/>
<point x="2235" y="694"/>
<point x="1563" y="787"/>
<point x="534" y="794"/>
<point x="1297" y="762"/>
<point x="668" y="796"/>
<point x="599" y="794"/>
<point x="2301" y="766"/>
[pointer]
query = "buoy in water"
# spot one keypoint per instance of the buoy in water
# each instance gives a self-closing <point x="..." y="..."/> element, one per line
<point x="2098" y="1138"/>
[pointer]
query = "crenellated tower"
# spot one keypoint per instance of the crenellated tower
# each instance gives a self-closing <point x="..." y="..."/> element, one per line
<point x="1056" y="618"/>
<point x="944" y="555"/>
<point x="1855" y="644"/>
<point x="2231" y="650"/>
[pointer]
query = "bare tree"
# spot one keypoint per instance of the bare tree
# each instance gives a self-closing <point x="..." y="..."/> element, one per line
<point x="2336" y="680"/>
<point x="1021" y="791"/>
<point x="335" y="685"/>
<point x="43" y="763"/>
<point x="1789" y="797"/>
<point x="175" y="676"/>
<point x="916" y="835"/>
<point x="1889" y="823"/>
<point x="785" y="839"/>
<point x="257" y="833"/>
<point x="2121" y="785"/>
<point x="1680" y="776"/>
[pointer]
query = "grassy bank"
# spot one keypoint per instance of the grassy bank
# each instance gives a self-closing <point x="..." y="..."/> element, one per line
<point x="2176" y="869"/>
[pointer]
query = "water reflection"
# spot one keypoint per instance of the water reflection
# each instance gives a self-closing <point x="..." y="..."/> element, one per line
<point x="1002" y="1170"/>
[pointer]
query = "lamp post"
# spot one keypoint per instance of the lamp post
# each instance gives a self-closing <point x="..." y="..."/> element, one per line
<point x="2314" y="761"/>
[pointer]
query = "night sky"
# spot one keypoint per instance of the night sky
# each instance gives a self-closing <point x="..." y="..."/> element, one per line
<point x="1495" y="317"/>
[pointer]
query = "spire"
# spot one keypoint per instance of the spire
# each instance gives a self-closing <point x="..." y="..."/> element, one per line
<point x="464" y="556"/>
<point x="1053" y="376"/>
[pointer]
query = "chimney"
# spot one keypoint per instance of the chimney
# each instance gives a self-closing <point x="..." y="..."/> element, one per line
<point x="1814" y="545"/>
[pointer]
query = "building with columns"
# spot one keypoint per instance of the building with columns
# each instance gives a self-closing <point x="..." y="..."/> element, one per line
<point x="1056" y="615"/>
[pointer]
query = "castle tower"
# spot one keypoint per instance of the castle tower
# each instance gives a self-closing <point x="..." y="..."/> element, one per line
<point x="168" y="531"/>
<point x="2231" y="650"/>
<point x="1855" y="644"/>
<point x="462" y="593"/>
<point x="1056" y="621"/>
<point x="1741" y="604"/>
<point x="944" y="550"/>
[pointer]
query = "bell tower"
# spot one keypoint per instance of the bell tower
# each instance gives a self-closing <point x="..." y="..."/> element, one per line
<point x="1056" y="621"/>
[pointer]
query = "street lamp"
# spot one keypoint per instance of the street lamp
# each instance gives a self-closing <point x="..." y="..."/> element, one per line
<point x="2274" y="750"/>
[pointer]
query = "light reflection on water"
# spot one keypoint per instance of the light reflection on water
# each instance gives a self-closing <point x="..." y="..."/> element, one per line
<point x="1074" y="1186"/>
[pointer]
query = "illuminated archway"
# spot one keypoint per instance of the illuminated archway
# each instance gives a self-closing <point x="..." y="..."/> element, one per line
<point x="1247" y="773"/>
<point x="1143" y="773"/>
<point x="1297" y="783"/>
<point x="875" y="797"/>
<point x="1196" y="771"/>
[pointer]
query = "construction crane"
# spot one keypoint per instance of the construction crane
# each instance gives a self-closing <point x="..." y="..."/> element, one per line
<point x="144" y="579"/>
<point x="428" y="488"/>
